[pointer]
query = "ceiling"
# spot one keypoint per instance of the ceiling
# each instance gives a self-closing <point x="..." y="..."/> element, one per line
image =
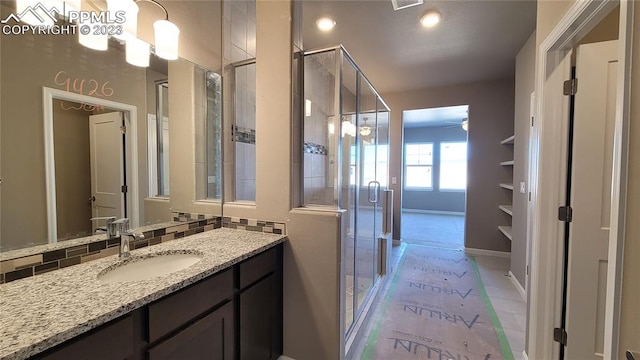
<point x="476" y="39"/>
<point x="442" y="116"/>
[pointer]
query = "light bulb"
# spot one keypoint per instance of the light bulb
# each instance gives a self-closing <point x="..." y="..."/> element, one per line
<point x="430" y="18"/>
<point x="137" y="52"/>
<point x="325" y="24"/>
<point x="166" y="39"/>
<point x="91" y="40"/>
<point x="465" y="125"/>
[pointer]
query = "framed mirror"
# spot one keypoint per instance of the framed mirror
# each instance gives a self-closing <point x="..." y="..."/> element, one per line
<point x="84" y="134"/>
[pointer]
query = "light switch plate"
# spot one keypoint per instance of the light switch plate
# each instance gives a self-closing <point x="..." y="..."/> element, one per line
<point x="394" y="180"/>
<point x="522" y="187"/>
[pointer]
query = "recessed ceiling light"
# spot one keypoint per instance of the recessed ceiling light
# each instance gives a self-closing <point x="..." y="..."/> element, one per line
<point x="325" y="24"/>
<point x="431" y="18"/>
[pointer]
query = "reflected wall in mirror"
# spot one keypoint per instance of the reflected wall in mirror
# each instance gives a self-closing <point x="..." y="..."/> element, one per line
<point x="28" y="65"/>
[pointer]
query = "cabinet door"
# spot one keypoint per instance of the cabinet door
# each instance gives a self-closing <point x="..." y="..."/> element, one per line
<point x="114" y="341"/>
<point x="261" y="320"/>
<point x="210" y="338"/>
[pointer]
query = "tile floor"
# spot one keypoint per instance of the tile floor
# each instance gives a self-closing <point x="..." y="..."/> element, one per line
<point x="506" y="300"/>
<point x="448" y="231"/>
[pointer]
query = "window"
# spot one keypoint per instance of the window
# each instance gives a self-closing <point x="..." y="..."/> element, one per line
<point x="453" y="165"/>
<point x="418" y="165"/>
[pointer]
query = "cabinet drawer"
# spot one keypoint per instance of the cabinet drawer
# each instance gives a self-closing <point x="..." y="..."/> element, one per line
<point x="258" y="266"/>
<point x="110" y="342"/>
<point x="169" y="313"/>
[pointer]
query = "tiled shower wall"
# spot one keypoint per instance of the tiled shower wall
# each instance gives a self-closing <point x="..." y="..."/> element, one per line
<point x="320" y="126"/>
<point x="239" y="39"/>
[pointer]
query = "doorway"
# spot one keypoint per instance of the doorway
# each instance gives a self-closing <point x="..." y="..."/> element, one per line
<point x="110" y="140"/>
<point x="435" y="176"/>
<point x="555" y="328"/>
<point x="89" y="153"/>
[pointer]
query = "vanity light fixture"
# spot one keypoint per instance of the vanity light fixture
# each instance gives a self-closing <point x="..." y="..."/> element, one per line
<point x="430" y="19"/>
<point x="130" y="25"/>
<point x="91" y="40"/>
<point x="166" y="34"/>
<point x="325" y="24"/>
<point x="137" y="52"/>
<point x="348" y="129"/>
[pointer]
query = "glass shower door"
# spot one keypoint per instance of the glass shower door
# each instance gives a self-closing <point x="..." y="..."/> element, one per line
<point x="350" y="179"/>
<point x="366" y="244"/>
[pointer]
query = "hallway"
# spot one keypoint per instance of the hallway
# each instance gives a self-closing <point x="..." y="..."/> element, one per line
<point x="493" y="305"/>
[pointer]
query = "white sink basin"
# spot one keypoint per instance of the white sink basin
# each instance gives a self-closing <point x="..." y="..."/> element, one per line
<point x="149" y="266"/>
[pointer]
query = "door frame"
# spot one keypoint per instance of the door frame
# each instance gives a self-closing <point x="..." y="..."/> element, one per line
<point x="548" y="177"/>
<point x="48" y="95"/>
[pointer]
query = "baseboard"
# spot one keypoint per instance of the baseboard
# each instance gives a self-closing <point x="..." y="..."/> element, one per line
<point x="434" y="212"/>
<point x="518" y="287"/>
<point x="282" y="357"/>
<point x="524" y="355"/>
<point x="483" y="252"/>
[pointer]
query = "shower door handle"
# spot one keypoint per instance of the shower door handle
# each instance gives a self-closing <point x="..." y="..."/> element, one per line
<point x="369" y="193"/>
<point x="376" y="189"/>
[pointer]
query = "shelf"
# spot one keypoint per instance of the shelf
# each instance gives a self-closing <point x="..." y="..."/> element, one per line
<point x="508" y="141"/>
<point x="506" y="230"/>
<point x="507" y="163"/>
<point x="506" y="208"/>
<point x="507" y="186"/>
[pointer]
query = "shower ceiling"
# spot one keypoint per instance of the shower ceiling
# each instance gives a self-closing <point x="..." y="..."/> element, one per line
<point x="476" y="40"/>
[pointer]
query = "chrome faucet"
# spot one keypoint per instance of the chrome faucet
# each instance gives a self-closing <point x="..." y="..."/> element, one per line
<point x="126" y="236"/>
<point x="112" y="226"/>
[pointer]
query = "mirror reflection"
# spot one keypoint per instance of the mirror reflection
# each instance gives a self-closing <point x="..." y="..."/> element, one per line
<point x="100" y="146"/>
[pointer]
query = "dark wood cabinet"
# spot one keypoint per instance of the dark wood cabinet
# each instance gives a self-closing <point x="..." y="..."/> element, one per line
<point x="234" y="314"/>
<point x="112" y="341"/>
<point x="211" y="337"/>
<point x="260" y="321"/>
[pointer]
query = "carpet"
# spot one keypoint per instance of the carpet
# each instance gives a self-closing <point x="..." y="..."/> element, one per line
<point x="436" y="307"/>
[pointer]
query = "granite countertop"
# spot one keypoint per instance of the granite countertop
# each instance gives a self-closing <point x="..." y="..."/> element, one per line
<point x="40" y="312"/>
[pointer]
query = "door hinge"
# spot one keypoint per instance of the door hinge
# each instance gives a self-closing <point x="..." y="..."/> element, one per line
<point x="529" y="195"/>
<point x="560" y="335"/>
<point x="527" y="270"/>
<point x="124" y="189"/>
<point x="123" y="129"/>
<point x="565" y="213"/>
<point x="532" y="121"/>
<point x="570" y="87"/>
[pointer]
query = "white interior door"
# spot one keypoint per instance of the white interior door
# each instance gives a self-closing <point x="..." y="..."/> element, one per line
<point x="106" y="165"/>
<point x="594" y="117"/>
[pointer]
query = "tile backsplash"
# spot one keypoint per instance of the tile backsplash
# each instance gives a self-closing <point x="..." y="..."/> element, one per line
<point x="36" y="264"/>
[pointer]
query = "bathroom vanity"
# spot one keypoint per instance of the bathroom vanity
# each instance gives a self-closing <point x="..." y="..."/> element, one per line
<point x="226" y="306"/>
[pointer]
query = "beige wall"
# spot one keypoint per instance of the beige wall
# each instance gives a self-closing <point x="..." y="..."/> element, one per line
<point x="73" y="170"/>
<point x="491" y="108"/>
<point x="525" y="85"/>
